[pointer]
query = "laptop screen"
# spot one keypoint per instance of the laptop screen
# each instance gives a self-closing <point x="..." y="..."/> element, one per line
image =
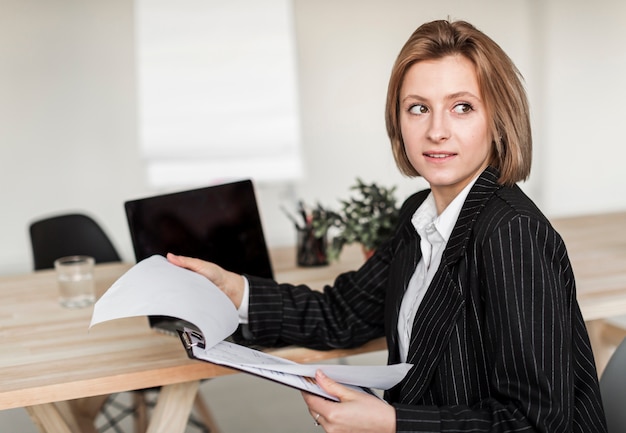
<point x="219" y="223"/>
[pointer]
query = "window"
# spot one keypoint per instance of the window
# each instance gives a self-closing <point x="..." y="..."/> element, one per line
<point x="217" y="91"/>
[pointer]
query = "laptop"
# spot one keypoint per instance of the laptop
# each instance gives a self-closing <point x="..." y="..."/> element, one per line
<point x="219" y="223"/>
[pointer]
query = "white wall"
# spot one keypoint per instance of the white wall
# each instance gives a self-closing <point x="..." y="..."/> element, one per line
<point x="584" y="144"/>
<point x="68" y="106"/>
<point x="347" y="49"/>
<point x="67" y="117"/>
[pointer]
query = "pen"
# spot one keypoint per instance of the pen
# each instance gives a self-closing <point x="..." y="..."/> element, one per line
<point x="291" y="218"/>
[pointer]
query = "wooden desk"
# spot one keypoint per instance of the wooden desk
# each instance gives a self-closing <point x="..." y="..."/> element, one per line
<point x="597" y="248"/>
<point x="48" y="355"/>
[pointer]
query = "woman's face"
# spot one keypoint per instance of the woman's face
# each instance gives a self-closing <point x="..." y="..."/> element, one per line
<point x="444" y="125"/>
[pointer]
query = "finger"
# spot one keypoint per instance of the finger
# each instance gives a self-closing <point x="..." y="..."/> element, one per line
<point x="314" y="402"/>
<point x="184" y="262"/>
<point x="333" y="388"/>
<point x="176" y="260"/>
<point x="315" y="405"/>
<point x="317" y="419"/>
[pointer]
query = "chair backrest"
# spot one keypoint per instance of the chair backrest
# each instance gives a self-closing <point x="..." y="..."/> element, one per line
<point x="67" y="235"/>
<point x="613" y="389"/>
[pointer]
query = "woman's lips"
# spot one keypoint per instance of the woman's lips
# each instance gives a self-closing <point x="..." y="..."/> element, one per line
<point x="438" y="155"/>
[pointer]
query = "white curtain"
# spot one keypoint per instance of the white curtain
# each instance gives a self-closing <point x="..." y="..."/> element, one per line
<point x="217" y="91"/>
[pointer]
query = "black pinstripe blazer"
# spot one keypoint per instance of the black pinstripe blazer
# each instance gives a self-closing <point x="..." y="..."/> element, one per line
<point x="498" y="343"/>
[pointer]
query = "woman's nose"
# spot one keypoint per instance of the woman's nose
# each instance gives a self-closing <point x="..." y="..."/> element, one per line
<point x="438" y="129"/>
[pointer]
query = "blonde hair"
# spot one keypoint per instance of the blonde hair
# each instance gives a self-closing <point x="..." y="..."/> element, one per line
<point x="500" y="83"/>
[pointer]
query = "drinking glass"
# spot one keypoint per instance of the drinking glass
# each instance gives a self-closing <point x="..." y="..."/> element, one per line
<point x="76" y="283"/>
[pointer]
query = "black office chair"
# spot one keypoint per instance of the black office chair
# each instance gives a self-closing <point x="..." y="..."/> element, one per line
<point x="613" y="390"/>
<point x="68" y="235"/>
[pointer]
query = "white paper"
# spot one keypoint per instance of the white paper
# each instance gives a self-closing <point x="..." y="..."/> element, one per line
<point x="228" y="354"/>
<point x="234" y="355"/>
<point x="155" y="286"/>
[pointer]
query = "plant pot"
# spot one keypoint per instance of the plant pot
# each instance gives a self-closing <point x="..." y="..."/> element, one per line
<point x="368" y="252"/>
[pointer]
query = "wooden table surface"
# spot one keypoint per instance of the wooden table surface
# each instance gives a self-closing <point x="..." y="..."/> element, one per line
<point x="597" y="248"/>
<point x="47" y="353"/>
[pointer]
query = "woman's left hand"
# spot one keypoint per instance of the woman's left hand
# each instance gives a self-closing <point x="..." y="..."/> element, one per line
<point x="355" y="412"/>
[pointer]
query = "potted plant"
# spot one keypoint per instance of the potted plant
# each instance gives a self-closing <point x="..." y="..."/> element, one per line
<point x="367" y="217"/>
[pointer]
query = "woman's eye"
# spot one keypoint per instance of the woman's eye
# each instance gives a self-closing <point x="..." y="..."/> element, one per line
<point x="418" y="109"/>
<point x="462" y="108"/>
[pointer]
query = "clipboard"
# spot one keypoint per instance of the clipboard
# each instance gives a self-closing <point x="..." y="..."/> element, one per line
<point x="192" y="339"/>
<point x="194" y="346"/>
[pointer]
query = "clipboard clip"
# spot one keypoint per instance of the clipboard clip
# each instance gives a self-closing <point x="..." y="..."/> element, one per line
<point x="192" y="339"/>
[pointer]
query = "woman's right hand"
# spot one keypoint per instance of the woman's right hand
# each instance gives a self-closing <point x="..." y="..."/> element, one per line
<point x="230" y="283"/>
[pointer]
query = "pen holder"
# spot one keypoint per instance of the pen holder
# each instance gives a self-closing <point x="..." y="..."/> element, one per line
<point x="311" y="250"/>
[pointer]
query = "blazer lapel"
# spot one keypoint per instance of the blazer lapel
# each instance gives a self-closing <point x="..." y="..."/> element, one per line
<point x="444" y="300"/>
<point x="484" y="187"/>
<point x="434" y="321"/>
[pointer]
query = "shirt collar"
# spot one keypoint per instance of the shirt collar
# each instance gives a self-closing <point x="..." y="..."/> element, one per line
<point x="426" y="213"/>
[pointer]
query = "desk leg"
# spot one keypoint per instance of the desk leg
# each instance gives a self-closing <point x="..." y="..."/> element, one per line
<point x="49" y="419"/>
<point x="67" y="416"/>
<point x="605" y="337"/>
<point x="173" y="407"/>
<point x="85" y="411"/>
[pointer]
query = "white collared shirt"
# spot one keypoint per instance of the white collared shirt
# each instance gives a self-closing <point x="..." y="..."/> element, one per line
<point x="434" y="231"/>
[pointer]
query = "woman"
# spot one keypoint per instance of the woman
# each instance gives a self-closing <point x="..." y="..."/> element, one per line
<point x="474" y="289"/>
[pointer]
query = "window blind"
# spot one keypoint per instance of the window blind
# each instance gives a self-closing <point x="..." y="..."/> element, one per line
<point x="217" y="91"/>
